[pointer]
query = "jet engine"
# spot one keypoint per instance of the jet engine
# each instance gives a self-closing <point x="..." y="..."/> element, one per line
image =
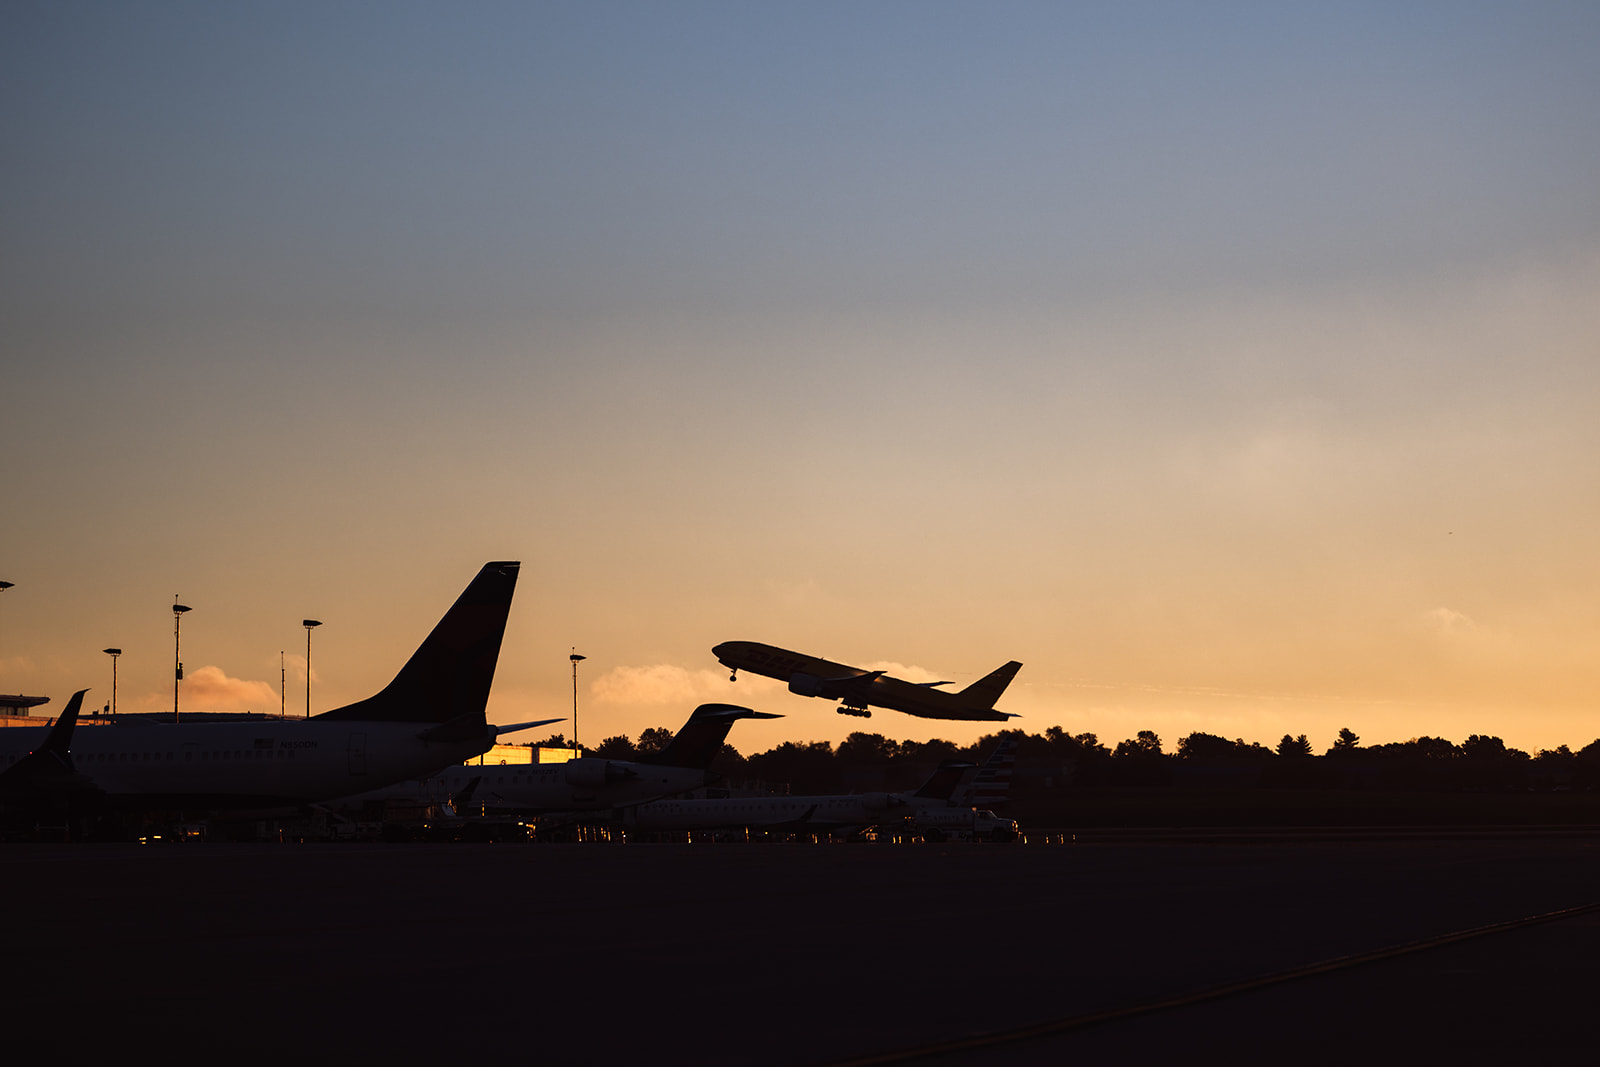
<point x="586" y="772"/>
<point x="881" y="801"/>
<point x="806" y="685"/>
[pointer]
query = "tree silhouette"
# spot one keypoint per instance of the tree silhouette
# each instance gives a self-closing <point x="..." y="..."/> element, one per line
<point x="653" y="740"/>
<point x="866" y="748"/>
<point x="1210" y="748"/>
<point x="1294" y="747"/>
<point x="1145" y="746"/>
<point x="1346" y="743"/>
<point x="617" y="748"/>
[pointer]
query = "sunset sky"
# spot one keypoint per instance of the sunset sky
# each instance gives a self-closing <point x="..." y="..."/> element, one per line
<point x="1236" y="367"/>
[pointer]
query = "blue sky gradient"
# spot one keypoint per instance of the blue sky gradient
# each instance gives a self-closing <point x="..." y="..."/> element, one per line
<point x="1234" y="366"/>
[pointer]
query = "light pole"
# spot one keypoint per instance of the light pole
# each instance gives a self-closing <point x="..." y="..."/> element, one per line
<point x="575" y="658"/>
<point x="113" y="653"/>
<point x="283" y="693"/>
<point x="4" y="586"/>
<point x="177" y="644"/>
<point x="309" y="624"/>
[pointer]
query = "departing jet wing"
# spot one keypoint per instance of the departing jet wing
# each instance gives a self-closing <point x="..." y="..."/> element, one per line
<point x="854" y="685"/>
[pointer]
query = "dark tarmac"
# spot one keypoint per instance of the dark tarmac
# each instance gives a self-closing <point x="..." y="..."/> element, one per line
<point x="802" y="955"/>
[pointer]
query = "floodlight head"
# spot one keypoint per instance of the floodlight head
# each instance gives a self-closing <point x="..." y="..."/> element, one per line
<point x="179" y="609"/>
<point x="112" y="651"/>
<point x="309" y="623"/>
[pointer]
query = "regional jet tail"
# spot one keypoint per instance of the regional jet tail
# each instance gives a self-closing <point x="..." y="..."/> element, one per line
<point x="991" y="786"/>
<point x="857" y="689"/>
<point x="430" y="716"/>
<point x="941" y="785"/>
<point x="702" y="737"/>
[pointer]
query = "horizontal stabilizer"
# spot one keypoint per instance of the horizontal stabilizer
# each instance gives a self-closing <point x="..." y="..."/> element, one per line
<point x="514" y="727"/>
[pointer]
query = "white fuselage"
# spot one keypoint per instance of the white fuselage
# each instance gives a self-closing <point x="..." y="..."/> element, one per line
<point x="248" y="764"/>
<point x="587" y="784"/>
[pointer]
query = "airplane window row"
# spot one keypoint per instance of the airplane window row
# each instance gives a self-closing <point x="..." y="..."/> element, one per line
<point x="145" y="757"/>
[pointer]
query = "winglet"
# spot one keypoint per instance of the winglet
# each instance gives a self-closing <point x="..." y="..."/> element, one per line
<point x="50" y="765"/>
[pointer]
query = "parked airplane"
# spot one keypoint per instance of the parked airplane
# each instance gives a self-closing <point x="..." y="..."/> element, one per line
<point x="431" y="715"/>
<point x="857" y="689"/>
<point x="588" y="783"/>
<point x="841" y="815"/>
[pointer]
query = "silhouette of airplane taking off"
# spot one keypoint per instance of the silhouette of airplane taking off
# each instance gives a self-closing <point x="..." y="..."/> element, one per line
<point x="857" y="690"/>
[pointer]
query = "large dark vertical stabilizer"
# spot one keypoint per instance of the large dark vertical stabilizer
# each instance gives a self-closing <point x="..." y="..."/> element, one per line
<point x="449" y="676"/>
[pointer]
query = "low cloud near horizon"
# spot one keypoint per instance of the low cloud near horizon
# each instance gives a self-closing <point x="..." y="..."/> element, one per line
<point x="210" y="688"/>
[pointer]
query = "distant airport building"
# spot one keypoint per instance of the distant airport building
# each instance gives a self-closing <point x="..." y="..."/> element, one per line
<point x="14" y="710"/>
<point x="509" y="755"/>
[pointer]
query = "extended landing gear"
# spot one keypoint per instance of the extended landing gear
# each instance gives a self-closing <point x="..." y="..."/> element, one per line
<point x="846" y="709"/>
<point x="733" y="675"/>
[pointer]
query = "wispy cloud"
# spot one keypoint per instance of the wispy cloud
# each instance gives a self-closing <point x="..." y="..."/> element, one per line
<point x="665" y="683"/>
<point x="1449" y="623"/>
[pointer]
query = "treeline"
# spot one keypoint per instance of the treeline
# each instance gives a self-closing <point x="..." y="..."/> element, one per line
<point x="1057" y="758"/>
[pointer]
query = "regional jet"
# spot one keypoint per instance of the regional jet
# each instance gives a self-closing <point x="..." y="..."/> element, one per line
<point x="840" y="815"/>
<point x="430" y="716"/>
<point x="588" y="783"/>
<point x="857" y="689"/>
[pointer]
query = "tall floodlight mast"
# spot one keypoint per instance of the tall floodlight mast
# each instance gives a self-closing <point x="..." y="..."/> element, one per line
<point x="177" y="659"/>
<point x="113" y="653"/>
<point x="309" y="624"/>
<point x="576" y="659"/>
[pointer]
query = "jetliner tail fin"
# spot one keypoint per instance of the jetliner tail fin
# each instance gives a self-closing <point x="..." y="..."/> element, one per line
<point x="701" y="738"/>
<point x="941" y="785"/>
<point x="449" y="675"/>
<point x="991" y="786"/>
<point x="986" y="690"/>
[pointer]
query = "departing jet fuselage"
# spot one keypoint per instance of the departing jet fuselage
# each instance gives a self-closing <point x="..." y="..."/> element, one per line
<point x="858" y="689"/>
